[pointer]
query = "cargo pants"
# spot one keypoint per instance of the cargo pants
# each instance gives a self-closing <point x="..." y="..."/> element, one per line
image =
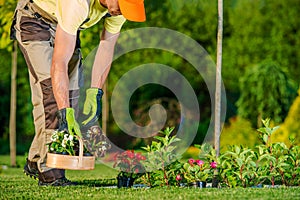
<point x="35" y="32"/>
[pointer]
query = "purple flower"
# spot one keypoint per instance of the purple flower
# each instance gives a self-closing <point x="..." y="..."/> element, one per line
<point x="200" y="162"/>
<point x="213" y="164"/>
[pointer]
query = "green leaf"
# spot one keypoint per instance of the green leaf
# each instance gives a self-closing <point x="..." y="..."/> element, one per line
<point x="159" y="138"/>
<point x="275" y="128"/>
<point x="261" y="150"/>
<point x="262" y="130"/>
<point x="252" y="163"/>
<point x="239" y="162"/>
<point x="237" y="149"/>
<point x="266" y="138"/>
<point x="266" y="122"/>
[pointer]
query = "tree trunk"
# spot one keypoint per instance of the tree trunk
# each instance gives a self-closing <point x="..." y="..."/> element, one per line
<point x="218" y="78"/>
<point x="218" y="87"/>
<point x="13" y="97"/>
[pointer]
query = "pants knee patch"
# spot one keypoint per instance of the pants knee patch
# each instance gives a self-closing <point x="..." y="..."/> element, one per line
<point x="49" y="103"/>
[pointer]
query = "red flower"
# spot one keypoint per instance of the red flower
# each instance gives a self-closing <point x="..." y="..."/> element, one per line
<point x="137" y="156"/>
<point x="143" y="157"/>
<point x="191" y="161"/>
<point x="130" y="154"/>
<point x="129" y="161"/>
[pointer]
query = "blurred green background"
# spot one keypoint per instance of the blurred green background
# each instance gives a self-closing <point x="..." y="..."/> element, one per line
<point x="260" y="69"/>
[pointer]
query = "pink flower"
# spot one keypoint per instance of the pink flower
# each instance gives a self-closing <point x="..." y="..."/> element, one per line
<point x="213" y="164"/>
<point x="200" y="162"/>
<point x="191" y="161"/>
<point x="178" y="177"/>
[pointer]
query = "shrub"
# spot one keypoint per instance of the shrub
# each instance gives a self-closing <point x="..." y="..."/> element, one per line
<point x="162" y="163"/>
<point x="238" y="132"/>
<point x="290" y="126"/>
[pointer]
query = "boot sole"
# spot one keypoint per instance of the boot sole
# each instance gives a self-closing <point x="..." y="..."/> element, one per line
<point x="58" y="183"/>
<point x="33" y="176"/>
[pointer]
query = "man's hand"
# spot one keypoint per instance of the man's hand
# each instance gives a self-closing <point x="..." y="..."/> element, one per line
<point x="92" y="106"/>
<point x="67" y="122"/>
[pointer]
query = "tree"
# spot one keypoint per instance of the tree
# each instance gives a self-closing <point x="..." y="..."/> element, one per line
<point x="13" y="107"/>
<point x="257" y="30"/>
<point x="7" y="14"/>
<point x="253" y="31"/>
<point x="265" y="92"/>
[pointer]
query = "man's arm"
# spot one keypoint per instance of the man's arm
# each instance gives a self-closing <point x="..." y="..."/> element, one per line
<point x="103" y="58"/>
<point x="101" y="67"/>
<point x="63" y="50"/>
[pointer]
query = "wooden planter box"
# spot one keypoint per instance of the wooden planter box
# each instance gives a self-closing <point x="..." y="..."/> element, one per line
<point x="80" y="162"/>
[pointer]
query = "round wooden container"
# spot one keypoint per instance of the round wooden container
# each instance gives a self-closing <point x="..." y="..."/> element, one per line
<point x="80" y="162"/>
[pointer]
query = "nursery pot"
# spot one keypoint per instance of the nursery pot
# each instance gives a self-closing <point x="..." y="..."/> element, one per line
<point x="124" y="181"/>
<point x="201" y="184"/>
<point x="198" y="184"/>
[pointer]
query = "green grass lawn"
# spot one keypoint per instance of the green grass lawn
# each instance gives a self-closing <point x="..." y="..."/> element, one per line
<point x="15" y="185"/>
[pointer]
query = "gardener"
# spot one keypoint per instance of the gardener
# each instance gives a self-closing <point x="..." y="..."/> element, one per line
<point x="48" y="36"/>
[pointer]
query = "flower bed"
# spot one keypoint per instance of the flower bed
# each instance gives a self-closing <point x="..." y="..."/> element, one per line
<point x="267" y="164"/>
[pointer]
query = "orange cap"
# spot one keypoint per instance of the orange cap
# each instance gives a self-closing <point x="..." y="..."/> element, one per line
<point x="133" y="10"/>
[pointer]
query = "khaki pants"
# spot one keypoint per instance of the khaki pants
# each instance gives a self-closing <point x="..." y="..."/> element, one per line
<point x="35" y="35"/>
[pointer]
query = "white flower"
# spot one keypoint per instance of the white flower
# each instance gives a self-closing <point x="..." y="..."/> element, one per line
<point x="63" y="143"/>
<point x="104" y="148"/>
<point x="88" y="134"/>
<point x="52" y="149"/>
<point x="54" y="137"/>
<point x="66" y="136"/>
<point x="71" y="137"/>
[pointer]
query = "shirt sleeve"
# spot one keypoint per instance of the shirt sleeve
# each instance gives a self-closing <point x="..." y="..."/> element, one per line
<point x="71" y="14"/>
<point x="114" y="24"/>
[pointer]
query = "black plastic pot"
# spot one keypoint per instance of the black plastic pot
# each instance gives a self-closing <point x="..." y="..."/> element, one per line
<point x="198" y="184"/>
<point x="125" y="182"/>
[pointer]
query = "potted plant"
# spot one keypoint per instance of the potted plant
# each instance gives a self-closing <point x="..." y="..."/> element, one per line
<point x="196" y="172"/>
<point x="63" y="143"/>
<point x="130" y="166"/>
<point x="162" y="164"/>
<point x="66" y="151"/>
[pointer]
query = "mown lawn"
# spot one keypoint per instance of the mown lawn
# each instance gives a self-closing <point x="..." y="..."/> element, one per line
<point x="93" y="185"/>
